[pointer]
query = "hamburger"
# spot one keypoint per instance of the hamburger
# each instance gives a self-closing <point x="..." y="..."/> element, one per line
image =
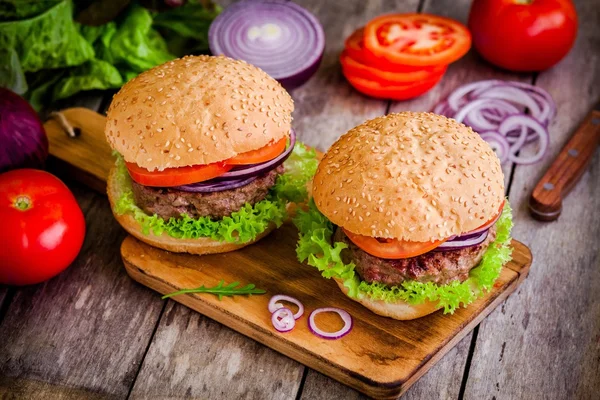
<point x="206" y="161"/>
<point x="408" y="215"/>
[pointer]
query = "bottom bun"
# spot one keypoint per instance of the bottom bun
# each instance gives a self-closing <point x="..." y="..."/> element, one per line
<point x="163" y="241"/>
<point x="400" y="310"/>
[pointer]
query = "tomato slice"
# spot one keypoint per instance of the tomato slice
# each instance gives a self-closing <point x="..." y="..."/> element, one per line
<point x="393" y="92"/>
<point x="263" y="154"/>
<point x="354" y="47"/>
<point x="417" y="39"/>
<point x="177" y="176"/>
<point x="356" y="68"/>
<point x="391" y="248"/>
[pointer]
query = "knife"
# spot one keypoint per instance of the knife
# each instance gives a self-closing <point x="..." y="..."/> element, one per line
<point x="545" y="203"/>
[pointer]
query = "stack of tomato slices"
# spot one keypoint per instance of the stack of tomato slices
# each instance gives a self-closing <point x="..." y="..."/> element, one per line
<point x="395" y="249"/>
<point x="401" y="56"/>
<point x="244" y="165"/>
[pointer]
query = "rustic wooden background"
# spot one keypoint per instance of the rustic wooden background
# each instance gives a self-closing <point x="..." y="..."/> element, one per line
<point x="93" y="332"/>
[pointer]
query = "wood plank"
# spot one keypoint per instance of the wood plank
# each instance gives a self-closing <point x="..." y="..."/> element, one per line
<point x="86" y="158"/>
<point x="441" y="381"/>
<point x="543" y="342"/>
<point x="194" y="356"/>
<point x="86" y="329"/>
<point x="327" y="106"/>
<point x="381" y="357"/>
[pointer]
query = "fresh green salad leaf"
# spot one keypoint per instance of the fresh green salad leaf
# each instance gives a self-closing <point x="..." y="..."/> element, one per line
<point x="13" y="10"/>
<point x="11" y="73"/>
<point x="221" y="290"/>
<point x="135" y="45"/>
<point x="242" y="226"/>
<point x="315" y="246"/>
<point x="47" y="56"/>
<point x="185" y="28"/>
<point x="300" y="167"/>
<point x="47" y="41"/>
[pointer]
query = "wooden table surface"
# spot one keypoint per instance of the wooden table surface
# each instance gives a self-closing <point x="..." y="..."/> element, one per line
<point x="92" y="332"/>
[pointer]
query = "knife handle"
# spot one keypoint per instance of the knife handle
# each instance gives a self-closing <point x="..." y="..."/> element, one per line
<point x="545" y="203"/>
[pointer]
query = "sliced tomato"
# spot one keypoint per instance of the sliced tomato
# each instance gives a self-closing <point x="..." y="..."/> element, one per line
<point x="263" y="154"/>
<point x="354" y="47"/>
<point x="356" y="68"/>
<point x="391" y="248"/>
<point x="393" y="92"/>
<point x="416" y="39"/>
<point x="177" y="176"/>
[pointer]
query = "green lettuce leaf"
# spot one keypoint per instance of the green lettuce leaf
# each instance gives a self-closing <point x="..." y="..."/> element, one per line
<point x="300" y="167"/>
<point x="47" y="41"/>
<point x="11" y="73"/>
<point x="135" y="45"/>
<point x="315" y="247"/>
<point x="94" y="74"/>
<point x="12" y="10"/>
<point x="242" y="226"/>
<point x="185" y="28"/>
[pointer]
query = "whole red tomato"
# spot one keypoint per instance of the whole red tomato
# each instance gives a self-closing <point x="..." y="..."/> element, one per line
<point x="42" y="226"/>
<point x="523" y="35"/>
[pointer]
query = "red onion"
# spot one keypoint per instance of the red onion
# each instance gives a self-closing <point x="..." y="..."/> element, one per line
<point x="492" y="106"/>
<point x="215" y="185"/>
<point x="529" y="122"/>
<point x="283" y="320"/>
<point x="461" y="242"/>
<point x="274" y="304"/>
<point x="330" y="335"/>
<point x="23" y="141"/>
<point x="280" y="37"/>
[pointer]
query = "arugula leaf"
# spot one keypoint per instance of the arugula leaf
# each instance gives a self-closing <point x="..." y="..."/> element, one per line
<point x="243" y="225"/>
<point x="315" y="247"/>
<point x="221" y="290"/>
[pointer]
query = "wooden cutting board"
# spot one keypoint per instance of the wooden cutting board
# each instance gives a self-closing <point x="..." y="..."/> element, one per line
<point x="381" y="357"/>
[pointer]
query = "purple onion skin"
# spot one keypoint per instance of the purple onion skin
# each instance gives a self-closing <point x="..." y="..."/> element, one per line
<point x="23" y="140"/>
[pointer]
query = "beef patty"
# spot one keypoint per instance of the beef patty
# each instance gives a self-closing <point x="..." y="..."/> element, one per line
<point x="167" y="202"/>
<point x="437" y="267"/>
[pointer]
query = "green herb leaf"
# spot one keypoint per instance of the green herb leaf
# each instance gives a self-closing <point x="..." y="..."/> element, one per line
<point x="314" y="246"/>
<point x="221" y="290"/>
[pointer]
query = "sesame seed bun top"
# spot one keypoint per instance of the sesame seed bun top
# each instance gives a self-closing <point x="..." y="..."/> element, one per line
<point x="197" y="110"/>
<point x="410" y="176"/>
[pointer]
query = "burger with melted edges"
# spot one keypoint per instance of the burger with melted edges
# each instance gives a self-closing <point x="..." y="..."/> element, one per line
<point x="408" y="215"/>
<point x="206" y="161"/>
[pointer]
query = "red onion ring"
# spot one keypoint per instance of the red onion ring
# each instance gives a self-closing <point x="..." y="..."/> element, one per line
<point x="214" y="185"/>
<point x="274" y="305"/>
<point x="330" y="335"/>
<point x="280" y="37"/>
<point x="283" y="320"/>
<point x="528" y="121"/>
<point x="492" y="105"/>
<point x="460" y="242"/>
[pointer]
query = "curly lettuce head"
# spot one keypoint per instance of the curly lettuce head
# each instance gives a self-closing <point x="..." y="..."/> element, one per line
<point x="316" y="248"/>
<point x="241" y="226"/>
